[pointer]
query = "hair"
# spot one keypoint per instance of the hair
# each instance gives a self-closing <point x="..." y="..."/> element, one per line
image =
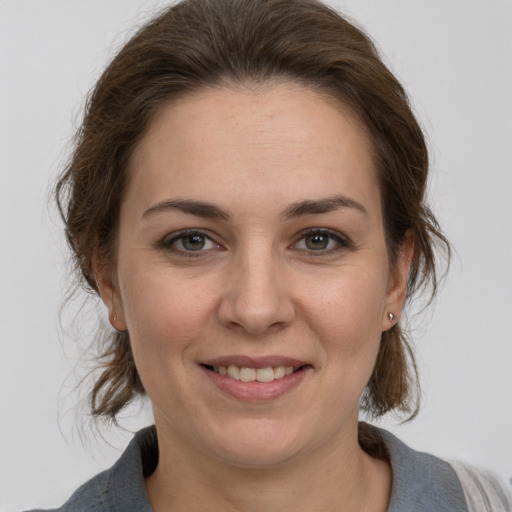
<point x="197" y="44"/>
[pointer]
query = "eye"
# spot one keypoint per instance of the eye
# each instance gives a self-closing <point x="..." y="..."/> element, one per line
<point x="194" y="242"/>
<point x="188" y="242"/>
<point x="321" y="241"/>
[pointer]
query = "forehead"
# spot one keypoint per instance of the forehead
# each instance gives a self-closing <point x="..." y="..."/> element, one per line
<point x="241" y="142"/>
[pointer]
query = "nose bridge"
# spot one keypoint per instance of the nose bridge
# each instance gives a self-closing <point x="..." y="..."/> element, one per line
<point x="256" y="297"/>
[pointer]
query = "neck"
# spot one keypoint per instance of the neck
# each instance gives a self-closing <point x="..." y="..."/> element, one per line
<point x="341" y="477"/>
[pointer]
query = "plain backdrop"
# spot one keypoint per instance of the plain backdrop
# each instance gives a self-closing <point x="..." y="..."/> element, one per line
<point x="455" y="59"/>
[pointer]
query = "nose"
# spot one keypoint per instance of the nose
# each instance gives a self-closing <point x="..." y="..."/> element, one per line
<point x="256" y="297"/>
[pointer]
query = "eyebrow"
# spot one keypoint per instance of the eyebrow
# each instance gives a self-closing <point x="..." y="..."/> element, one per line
<point x="315" y="207"/>
<point x="298" y="209"/>
<point x="199" y="208"/>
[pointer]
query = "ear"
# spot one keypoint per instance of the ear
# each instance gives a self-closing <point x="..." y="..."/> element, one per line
<point x="106" y="281"/>
<point x="397" y="286"/>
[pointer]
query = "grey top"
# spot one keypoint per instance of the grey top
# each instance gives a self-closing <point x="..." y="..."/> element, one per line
<point x="421" y="482"/>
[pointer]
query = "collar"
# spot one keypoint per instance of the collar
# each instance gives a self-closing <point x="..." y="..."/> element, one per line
<point x="421" y="482"/>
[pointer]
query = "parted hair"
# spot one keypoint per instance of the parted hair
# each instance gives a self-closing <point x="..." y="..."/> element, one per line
<point x="196" y="44"/>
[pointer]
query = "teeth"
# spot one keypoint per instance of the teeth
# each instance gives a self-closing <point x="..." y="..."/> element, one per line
<point x="279" y="372"/>
<point x="247" y="374"/>
<point x="267" y="374"/>
<point x="234" y="372"/>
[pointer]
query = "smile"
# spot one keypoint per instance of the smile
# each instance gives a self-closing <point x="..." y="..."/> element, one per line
<point x="245" y="374"/>
<point x="256" y="379"/>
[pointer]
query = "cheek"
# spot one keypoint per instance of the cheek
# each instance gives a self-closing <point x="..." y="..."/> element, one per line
<point x="346" y="314"/>
<point x="164" y="320"/>
<point x="351" y="297"/>
<point x="157" y="299"/>
<point x="163" y="316"/>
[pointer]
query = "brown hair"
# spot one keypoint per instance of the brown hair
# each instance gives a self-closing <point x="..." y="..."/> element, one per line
<point x="205" y="43"/>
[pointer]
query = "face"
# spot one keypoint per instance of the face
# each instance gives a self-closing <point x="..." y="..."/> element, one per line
<point x="252" y="273"/>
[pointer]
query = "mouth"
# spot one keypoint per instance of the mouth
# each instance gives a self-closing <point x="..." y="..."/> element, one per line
<point x="256" y="379"/>
<point x="251" y="374"/>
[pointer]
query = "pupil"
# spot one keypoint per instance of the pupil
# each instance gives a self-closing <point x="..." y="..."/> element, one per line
<point x="193" y="242"/>
<point x="317" y="242"/>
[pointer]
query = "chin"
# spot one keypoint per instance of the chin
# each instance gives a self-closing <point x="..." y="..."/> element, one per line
<point x="259" y="444"/>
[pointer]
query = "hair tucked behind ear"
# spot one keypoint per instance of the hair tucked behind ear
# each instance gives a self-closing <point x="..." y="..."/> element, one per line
<point x="206" y="43"/>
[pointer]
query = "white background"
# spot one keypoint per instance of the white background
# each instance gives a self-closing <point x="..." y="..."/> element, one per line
<point x="455" y="59"/>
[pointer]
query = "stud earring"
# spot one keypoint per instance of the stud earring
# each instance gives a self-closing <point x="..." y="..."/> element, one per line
<point x="391" y="317"/>
<point x="113" y="322"/>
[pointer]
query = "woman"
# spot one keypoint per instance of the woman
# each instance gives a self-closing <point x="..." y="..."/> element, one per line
<point x="247" y="198"/>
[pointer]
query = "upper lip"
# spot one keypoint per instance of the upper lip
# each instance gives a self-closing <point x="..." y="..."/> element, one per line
<point x="243" y="361"/>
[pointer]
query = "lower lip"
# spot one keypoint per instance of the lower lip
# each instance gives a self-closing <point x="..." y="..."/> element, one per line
<point x="257" y="390"/>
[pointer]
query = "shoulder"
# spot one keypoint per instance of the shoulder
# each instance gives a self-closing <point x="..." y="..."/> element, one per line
<point x="425" y="483"/>
<point x="93" y="496"/>
<point x="120" y="488"/>
<point x="483" y="490"/>
<point x="422" y="482"/>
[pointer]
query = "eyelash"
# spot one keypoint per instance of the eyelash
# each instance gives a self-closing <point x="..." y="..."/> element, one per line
<point x="169" y="243"/>
<point x="341" y="241"/>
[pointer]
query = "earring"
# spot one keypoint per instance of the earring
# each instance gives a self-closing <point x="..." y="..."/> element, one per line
<point x="391" y="317"/>
<point x="113" y="322"/>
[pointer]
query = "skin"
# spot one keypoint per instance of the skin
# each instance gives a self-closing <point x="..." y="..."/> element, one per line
<point x="257" y="286"/>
